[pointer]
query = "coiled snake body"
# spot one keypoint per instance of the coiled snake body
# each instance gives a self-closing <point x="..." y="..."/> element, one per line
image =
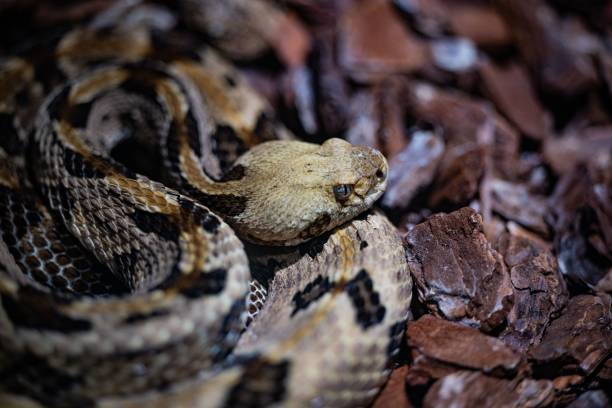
<point x="117" y="290"/>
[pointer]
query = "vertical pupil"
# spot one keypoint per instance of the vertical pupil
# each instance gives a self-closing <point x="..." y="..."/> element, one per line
<point x="342" y="191"/>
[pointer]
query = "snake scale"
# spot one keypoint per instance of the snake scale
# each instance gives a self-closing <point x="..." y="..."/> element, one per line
<point x="124" y="290"/>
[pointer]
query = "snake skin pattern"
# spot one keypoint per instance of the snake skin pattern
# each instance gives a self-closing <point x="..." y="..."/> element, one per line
<point x="124" y="290"/>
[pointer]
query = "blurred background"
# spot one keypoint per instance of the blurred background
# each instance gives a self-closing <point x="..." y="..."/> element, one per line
<point x="502" y="106"/>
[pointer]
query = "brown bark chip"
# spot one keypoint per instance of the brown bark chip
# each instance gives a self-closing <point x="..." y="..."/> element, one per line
<point x="539" y="289"/>
<point x="580" y="340"/>
<point x="459" y="276"/>
<point x="452" y="344"/>
<point x="466" y="389"/>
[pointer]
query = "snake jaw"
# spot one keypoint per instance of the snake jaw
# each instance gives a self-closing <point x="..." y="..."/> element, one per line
<point x="376" y="176"/>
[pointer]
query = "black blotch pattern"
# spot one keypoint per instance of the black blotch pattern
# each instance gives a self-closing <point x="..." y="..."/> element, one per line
<point x="139" y="317"/>
<point x="145" y="163"/>
<point x="77" y="166"/>
<point x="160" y="224"/>
<point x="264" y="272"/>
<point x="317" y="226"/>
<point x="229" y="80"/>
<point x="261" y="384"/>
<point x="224" y="132"/>
<point x="207" y="283"/>
<point x="230" y="332"/>
<point x="236" y="173"/>
<point x="9" y="138"/>
<point x="77" y="114"/>
<point x="17" y="215"/>
<point x="314" y="247"/>
<point x="365" y="300"/>
<point x="363" y="244"/>
<point x="33" y="376"/>
<point x="396" y="335"/>
<point x="173" y="155"/>
<point x="211" y="223"/>
<point x="201" y="215"/>
<point x="264" y="128"/>
<point x="37" y="313"/>
<point x="58" y="104"/>
<point x="226" y="204"/>
<point x="313" y="291"/>
<point x="22" y="97"/>
<point x="193" y="134"/>
<point x="143" y="84"/>
<point x="126" y="263"/>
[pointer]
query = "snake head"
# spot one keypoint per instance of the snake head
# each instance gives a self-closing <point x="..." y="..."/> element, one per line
<point x="296" y="191"/>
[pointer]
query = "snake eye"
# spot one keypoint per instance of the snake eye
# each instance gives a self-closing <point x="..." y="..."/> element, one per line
<point x="343" y="191"/>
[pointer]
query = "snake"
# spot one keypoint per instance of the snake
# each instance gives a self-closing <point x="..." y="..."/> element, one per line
<point x="218" y="276"/>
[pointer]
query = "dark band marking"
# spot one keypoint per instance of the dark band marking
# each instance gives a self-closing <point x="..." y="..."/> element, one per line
<point x="57" y="105"/>
<point x="229" y="80"/>
<point x="200" y="215"/>
<point x="226" y="204"/>
<point x="78" y="167"/>
<point x="236" y="173"/>
<point x="142" y="82"/>
<point x="33" y="376"/>
<point x="261" y="384"/>
<point x="9" y="138"/>
<point x="126" y="263"/>
<point x="211" y="223"/>
<point x="313" y="247"/>
<point x="139" y="317"/>
<point x="38" y="313"/>
<point x="229" y="332"/>
<point x="317" y="227"/>
<point x="311" y="293"/>
<point x="224" y="132"/>
<point x="157" y="223"/>
<point x="396" y="335"/>
<point x="366" y="300"/>
<point x="78" y="114"/>
<point x="207" y="283"/>
<point x="193" y="134"/>
<point x="265" y="127"/>
<point x="18" y="214"/>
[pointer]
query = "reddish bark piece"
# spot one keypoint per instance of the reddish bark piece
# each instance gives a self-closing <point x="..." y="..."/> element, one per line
<point x="579" y="340"/>
<point x="332" y="91"/>
<point x="510" y="88"/>
<point x="539" y="289"/>
<point x="290" y="39"/>
<point x="248" y="28"/>
<point x="591" y="145"/>
<point x="394" y="392"/>
<point x="467" y="389"/>
<point x="363" y="120"/>
<point x="459" y="346"/>
<point x="478" y="22"/>
<point x="591" y="399"/>
<point x="458" y="179"/>
<point x="391" y="109"/>
<point x="413" y="168"/>
<point x="581" y="208"/>
<point x="514" y="202"/>
<point x="377" y="117"/>
<point x="390" y="48"/>
<point x="458" y="275"/>
<point x="466" y="122"/>
<point x="535" y="30"/>
<point x="48" y="14"/>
